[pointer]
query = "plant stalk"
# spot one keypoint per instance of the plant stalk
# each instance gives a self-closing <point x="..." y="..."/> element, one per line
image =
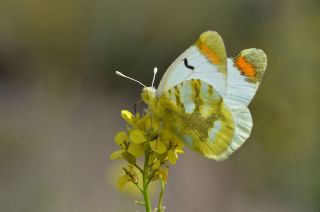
<point x="145" y="183"/>
<point x="160" y="206"/>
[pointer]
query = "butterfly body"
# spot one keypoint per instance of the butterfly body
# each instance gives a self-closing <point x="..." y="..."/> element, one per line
<point x="203" y="96"/>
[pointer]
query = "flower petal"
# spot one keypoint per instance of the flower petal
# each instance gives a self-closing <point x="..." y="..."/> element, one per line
<point x="135" y="149"/>
<point x="122" y="181"/>
<point x="179" y="151"/>
<point x="172" y="157"/>
<point x="177" y="142"/>
<point x="137" y="137"/>
<point x="116" y="155"/>
<point x="156" y="165"/>
<point x="147" y="124"/>
<point x="158" y="146"/>
<point x="121" y="138"/>
<point x="164" y="174"/>
<point x="152" y="158"/>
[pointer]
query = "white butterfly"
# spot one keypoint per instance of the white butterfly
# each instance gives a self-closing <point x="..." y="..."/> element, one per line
<point x="203" y="97"/>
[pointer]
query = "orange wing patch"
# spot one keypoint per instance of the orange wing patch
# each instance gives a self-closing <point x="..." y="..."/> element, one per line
<point x="246" y="68"/>
<point x="211" y="45"/>
<point x="209" y="53"/>
<point x="251" y="63"/>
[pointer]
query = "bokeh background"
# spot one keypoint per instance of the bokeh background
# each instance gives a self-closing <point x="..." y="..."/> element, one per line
<point x="60" y="102"/>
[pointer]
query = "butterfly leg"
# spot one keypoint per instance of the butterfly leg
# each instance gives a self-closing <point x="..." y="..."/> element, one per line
<point x="135" y="106"/>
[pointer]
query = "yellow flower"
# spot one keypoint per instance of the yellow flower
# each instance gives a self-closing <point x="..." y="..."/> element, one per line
<point x="144" y="135"/>
<point x="170" y="140"/>
<point x="158" y="146"/>
<point x="173" y="156"/>
<point x="132" y="174"/>
<point x="121" y="138"/>
<point x="178" y="144"/>
<point x="148" y="123"/>
<point x="152" y="158"/>
<point x="117" y="155"/>
<point x="156" y="165"/>
<point x="122" y="181"/>
<point x="135" y="149"/>
<point x="137" y="137"/>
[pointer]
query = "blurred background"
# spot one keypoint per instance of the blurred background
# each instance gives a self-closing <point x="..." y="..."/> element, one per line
<point x="60" y="102"/>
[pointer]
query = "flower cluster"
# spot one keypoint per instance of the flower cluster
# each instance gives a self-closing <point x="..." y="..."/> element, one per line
<point x="145" y="136"/>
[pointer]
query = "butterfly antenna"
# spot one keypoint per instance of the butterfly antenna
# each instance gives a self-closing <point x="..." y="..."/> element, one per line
<point x="155" y="70"/>
<point x="122" y="75"/>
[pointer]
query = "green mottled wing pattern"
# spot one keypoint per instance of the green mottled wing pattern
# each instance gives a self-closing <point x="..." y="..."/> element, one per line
<point x="197" y="114"/>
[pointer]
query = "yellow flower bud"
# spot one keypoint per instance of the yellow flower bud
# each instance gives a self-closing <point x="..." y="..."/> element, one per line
<point x="152" y="158"/>
<point x="164" y="174"/>
<point x="132" y="174"/>
<point x="116" y="155"/>
<point x="137" y="137"/>
<point x="127" y="116"/>
<point x="158" y="146"/>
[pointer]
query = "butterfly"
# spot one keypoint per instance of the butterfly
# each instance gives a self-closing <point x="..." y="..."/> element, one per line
<point x="203" y="96"/>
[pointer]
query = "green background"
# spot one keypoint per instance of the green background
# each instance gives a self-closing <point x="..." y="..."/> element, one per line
<point x="60" y="102"/>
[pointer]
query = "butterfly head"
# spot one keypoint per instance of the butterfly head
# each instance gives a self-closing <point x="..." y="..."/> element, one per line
<point x="148" y="95"/>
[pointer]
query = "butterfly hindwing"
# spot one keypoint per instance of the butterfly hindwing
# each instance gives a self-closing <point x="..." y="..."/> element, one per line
<point x="205" y="60"/>
<point x="196" y="113"/>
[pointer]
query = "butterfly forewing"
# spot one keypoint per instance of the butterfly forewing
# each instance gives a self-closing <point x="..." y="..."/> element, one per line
<point x="205" y="60"/>
<point x="245" y="73"/>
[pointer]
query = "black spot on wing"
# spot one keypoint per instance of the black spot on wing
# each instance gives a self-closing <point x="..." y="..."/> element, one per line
<point x="185" y="61"/>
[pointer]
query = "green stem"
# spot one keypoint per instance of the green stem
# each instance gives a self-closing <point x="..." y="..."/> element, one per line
<point x="145" y="183"/>
<point x="140" y="189"/>
<point x="138" y="167"/>
<point x="160" y="207"/>
<point x="139" y="203"/>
